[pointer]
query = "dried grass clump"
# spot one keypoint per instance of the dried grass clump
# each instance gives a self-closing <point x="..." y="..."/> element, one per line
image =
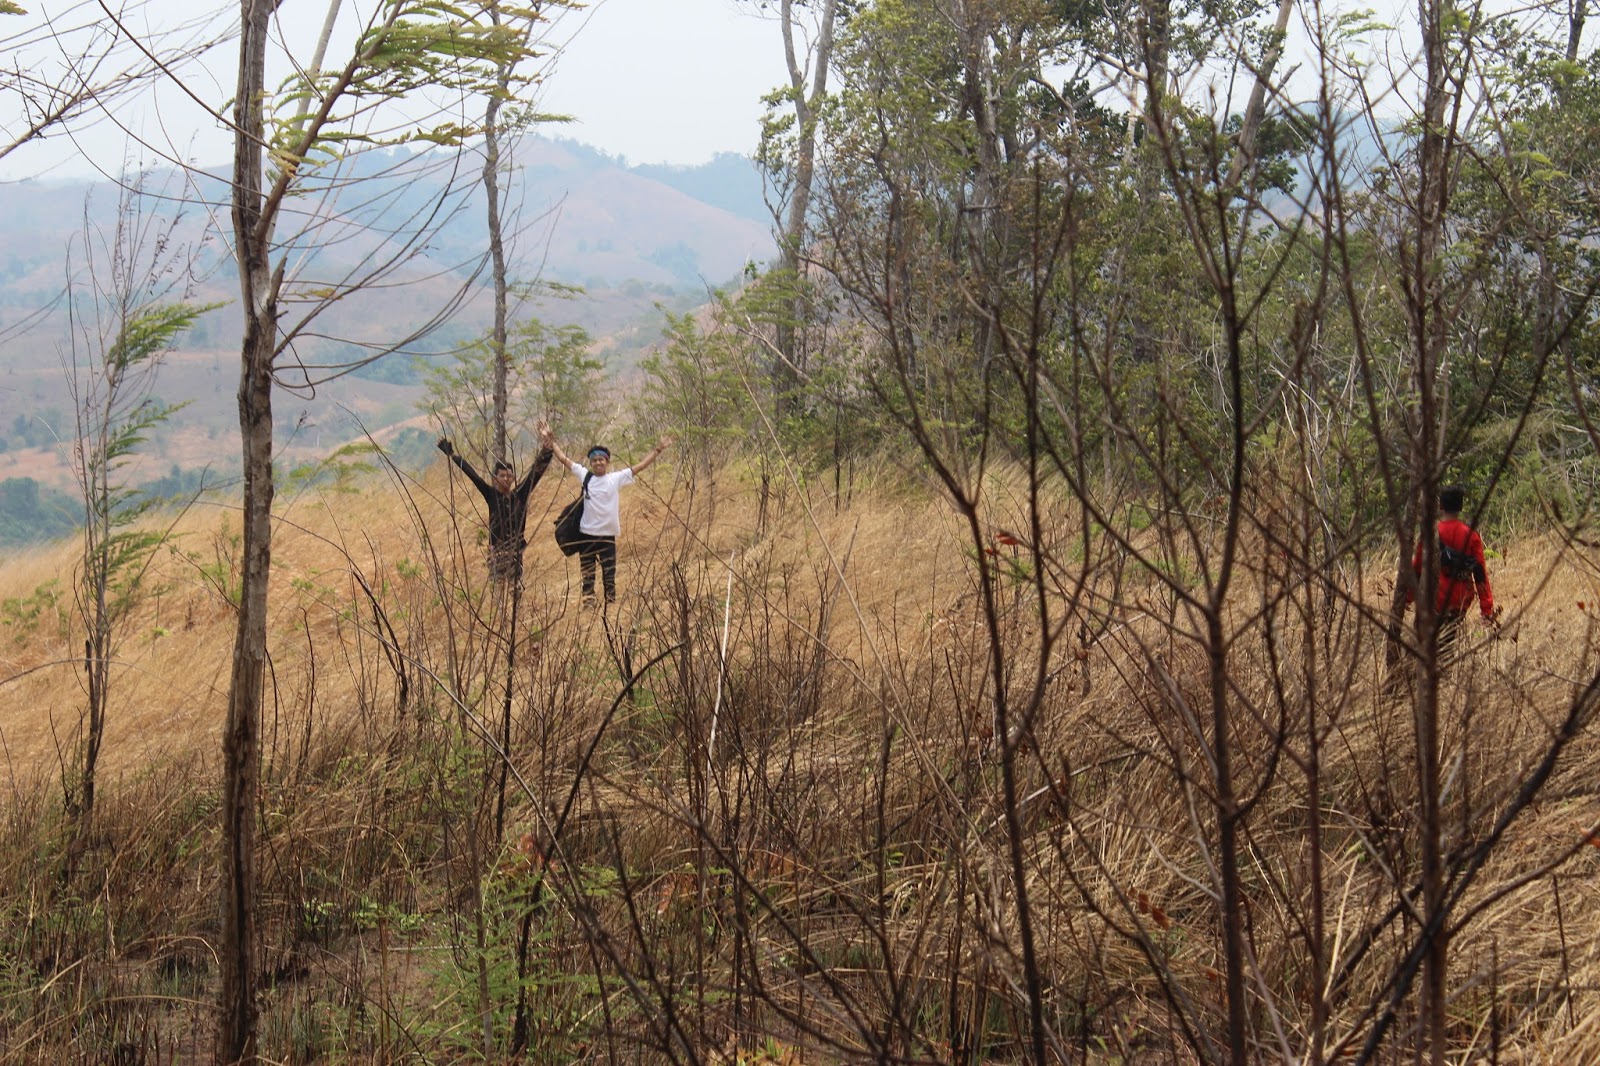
<point x="766" y="800"/>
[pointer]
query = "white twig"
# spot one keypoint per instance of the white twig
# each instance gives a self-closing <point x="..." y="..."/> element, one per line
<point x="722" y="674"/>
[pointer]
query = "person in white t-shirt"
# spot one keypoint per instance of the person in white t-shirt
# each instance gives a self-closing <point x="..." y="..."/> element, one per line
<point x="602" y="513"/>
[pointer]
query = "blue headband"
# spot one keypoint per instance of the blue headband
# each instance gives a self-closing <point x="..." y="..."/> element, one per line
<point x="598" y="450"/>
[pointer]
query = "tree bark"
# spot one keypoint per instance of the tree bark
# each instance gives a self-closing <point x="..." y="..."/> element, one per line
<point x="990" y="259"/>
<point x="237" y="1012"/>
<point x="786" y="367"/>
<point x="1429" y="332"/>
<point x="1155" y="45"/>
<point x="497" y="251"/>
<point x="1255" y="111"/>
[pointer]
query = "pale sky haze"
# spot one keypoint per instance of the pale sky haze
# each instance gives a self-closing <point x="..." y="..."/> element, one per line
<point x="667" y="81"/>
<point x="654" y="81"/>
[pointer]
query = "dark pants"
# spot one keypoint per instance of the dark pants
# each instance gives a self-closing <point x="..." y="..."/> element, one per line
<point x="604" y="551"/>
<point x="1450" y="625"/>
<point x="505" y="563"/>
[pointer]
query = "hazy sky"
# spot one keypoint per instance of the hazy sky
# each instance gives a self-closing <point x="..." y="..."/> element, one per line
<point x="654" y="81"/>
<point x="673" y="81"/>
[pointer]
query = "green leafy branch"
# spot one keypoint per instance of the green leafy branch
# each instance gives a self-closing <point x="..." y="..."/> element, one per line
<point x="417" y="45"/>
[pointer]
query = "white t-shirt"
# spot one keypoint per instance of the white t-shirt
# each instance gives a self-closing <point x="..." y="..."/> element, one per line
<point x="602" y="515"/>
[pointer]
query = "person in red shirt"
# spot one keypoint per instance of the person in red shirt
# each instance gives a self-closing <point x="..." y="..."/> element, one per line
<point x="1463" y="573"/>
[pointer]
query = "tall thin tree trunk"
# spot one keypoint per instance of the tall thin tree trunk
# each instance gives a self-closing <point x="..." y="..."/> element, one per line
<point x="1429" y="333"/>
<point x="1156" y="45"/>
<point x="984" y="218"/>
<point x="504" y="756"/>
<point x="1227" y="800"/>
<point x="497" y="252"/>
<point x="1256" y="110"/>
<point x="1155" y="48"/>
<point x="96" y="665"/>
<point x="806" y="100"/>
<point x="237" y="1012"/>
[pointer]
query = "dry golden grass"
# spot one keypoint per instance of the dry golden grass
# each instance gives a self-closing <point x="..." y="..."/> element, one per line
<point x="843" y="768"/>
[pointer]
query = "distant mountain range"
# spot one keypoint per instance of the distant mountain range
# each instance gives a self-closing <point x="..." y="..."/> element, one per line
<point x="595" y="221"/>
<point x="633" y="238"/>
<point x="584" y="218"/>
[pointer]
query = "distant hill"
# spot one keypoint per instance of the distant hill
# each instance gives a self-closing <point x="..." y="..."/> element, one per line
<point x="595" y="221"/>
<point x="585" y="218"/>
<point x="730" y="181"/>
<point x="634" y="239"/>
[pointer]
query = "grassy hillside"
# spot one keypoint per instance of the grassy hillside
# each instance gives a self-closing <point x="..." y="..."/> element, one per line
<point x="634" y="240"/>
<point x="803" y="849"/>
<point x="629" y="236"/>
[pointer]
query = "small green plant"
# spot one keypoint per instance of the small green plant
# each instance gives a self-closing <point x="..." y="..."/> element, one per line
<point x="370" y="914"/>
<point x="223" y="570"/>
<point x="24" y="616"/>
<point x="339" y="472"/>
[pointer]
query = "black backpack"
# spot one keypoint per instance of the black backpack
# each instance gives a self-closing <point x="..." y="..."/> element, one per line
<point x="1458" y="565"/>
<point x="569" y="535"/>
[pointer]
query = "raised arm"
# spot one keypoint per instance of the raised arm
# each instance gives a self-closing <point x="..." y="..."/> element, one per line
<point x="547" y="435"/>
<point x="540" y="462"/>
<point x="655" y="453"/>
<point x="465" y="467"/>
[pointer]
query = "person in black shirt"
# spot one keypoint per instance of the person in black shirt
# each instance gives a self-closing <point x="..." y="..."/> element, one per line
<point x="508" y="510"/>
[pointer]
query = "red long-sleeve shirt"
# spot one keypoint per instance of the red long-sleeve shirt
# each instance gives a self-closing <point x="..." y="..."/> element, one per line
<point x="1457" y="594"/>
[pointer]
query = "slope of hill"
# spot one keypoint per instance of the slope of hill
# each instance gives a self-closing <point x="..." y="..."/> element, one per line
<point x="782" y="737"/>
<point x="730" y="181"/>
<point x="581" y="218"/>
<point x="631" y="238"/>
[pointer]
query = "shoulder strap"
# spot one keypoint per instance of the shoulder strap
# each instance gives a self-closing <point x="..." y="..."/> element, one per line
<point x="586" y="478"/>
<point x="1460" y="563"/>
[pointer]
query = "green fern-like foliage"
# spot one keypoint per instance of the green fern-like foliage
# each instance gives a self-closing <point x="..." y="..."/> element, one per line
<point x="413" y="47"/>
